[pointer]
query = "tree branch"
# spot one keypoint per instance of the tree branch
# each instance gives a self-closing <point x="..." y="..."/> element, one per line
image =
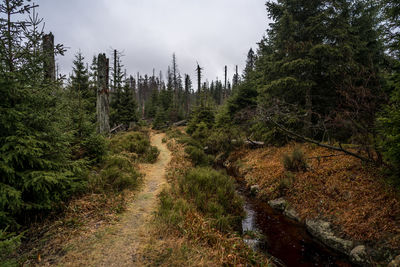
<point x="309" y="140"/>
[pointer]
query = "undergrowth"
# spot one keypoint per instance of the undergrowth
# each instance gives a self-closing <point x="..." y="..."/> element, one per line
<point x="106" y="190"/>
<point x="135" y="145"/>
<point x="295" y="162"/>
<point x="199" y="216"/>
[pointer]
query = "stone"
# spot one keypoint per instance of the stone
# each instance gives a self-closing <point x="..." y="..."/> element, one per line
<point x="322" y="230"/>
<point x="395" y="262"/>
<point x="292" y="214"/>
<point x="359" y="255"/>
<point x="278" y="204"/>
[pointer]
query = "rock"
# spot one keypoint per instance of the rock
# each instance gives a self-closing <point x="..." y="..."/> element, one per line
<point x="359" y="255"/>
<point x="254" y="189"/>
<point x="395" y="262"/>
<point x="322" y="230"/>
<point x="292" y="214"/>
<point x="278" y="204"/>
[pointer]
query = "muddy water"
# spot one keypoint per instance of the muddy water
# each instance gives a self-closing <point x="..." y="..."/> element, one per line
<point x="284" y="239"/>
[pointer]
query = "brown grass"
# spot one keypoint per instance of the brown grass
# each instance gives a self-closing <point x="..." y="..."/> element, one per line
<point x="49" y="240"/>
<point x="339" y="188"/>
<point x="199" y="244"/>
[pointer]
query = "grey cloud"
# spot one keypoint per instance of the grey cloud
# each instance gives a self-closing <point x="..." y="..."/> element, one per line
<point x="214" y="33"/>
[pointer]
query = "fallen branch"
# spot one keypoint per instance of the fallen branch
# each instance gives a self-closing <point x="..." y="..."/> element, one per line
<point x="118" y="128"/>
<point x="309" y="140"/>
<point x="180" y="123"/>
<point x="254" y="143"/>
<point x="327" y="156"/>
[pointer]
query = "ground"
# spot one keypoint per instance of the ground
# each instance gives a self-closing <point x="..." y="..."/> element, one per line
<point x="116" y="245"/>
<point x="335" y="187"/>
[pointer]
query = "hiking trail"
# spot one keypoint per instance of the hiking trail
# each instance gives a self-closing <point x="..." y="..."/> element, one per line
<point x="117" y="244"/>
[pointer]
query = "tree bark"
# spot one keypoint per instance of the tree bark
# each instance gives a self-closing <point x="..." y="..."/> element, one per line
<point x="49" y="60"/>
<point x="103" y="105"/>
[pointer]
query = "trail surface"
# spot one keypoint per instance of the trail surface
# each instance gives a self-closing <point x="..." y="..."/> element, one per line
<point x="117" y="244"/>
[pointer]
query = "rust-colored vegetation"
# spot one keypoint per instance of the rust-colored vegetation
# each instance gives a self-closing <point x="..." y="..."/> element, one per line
<point x="336" y="187"/>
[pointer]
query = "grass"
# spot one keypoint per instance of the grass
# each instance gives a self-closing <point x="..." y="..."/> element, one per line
<point x="108" y="189"/>
<point x="197" y="218"/>
<point x="136" y="145"/>
<point x="197" y="156"/>
<point x="335" y="184"/>
<point x="295" y="162"/>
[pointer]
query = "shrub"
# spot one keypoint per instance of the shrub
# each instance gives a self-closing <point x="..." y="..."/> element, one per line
<point x="220" y="141"/>
<point x="213" y="193"/>
<point x="187" y="140"/>
<point x="95" y="148"/>
<point x="285" y="183"/>
<point x="151" y="155"/>
<point x="202" y="131"/>
<point x="296" y="162"/>
<point x="135" y="143"/>
<point x="173" y="210"/>
<point x="197" y="156"/>
<point x="201" y="114"/>
<point x="8" y="245"/>
<point x="389" y="125"/>
<point x="117" y="175"/>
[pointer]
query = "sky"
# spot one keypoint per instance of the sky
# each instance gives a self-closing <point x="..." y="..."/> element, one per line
<point x="213" y="33"/>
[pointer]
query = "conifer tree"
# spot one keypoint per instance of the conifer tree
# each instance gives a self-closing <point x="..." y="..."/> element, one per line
<point x="35" y="170"/>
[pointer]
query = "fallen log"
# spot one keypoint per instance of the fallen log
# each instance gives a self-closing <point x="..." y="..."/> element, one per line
<point x="180" y="123"/>
<point x="118" y="128"/>
<point x="254" y="143"/>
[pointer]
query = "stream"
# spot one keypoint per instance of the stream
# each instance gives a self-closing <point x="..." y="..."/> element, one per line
<point x="284" y="239"/>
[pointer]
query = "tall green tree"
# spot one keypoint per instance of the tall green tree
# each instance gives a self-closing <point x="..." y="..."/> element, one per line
<point x="35" y="167"/>
<point x="318" y="59"/>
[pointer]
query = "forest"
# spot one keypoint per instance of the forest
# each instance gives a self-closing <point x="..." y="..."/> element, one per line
<point x="323" y="82"/>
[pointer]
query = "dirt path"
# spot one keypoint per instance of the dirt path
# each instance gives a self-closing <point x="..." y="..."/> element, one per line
<point x="117" y="245"/>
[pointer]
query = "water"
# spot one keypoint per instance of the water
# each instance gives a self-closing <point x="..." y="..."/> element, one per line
<point x="285" y="239"/>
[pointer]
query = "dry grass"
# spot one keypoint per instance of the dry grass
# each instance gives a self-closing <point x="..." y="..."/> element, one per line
<point x="336" y="188"/>
<point x="196" y="242"/>
<point x="51" y="239"/>
<point x="46" y="242"/>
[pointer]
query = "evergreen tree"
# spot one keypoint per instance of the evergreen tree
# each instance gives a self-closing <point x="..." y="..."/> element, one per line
<point x="250" y="64"/>
<point x="35" y="170"/>
<point x="128" y="110"/>
<point x="317" y="61"/>
<point x="389" y="120"/>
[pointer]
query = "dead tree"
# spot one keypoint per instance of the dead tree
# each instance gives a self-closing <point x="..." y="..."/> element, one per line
<point x="103" y="108"/>
<point x="225" y="84"/>
<point x="49" y="63"/>
<point x="198" y="70"/>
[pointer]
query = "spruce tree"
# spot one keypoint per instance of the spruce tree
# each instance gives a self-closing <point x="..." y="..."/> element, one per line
<point x="35" y="168"/>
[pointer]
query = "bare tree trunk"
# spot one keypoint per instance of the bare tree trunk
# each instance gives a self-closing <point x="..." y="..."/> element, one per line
<point x="199" y="85"/>
<point x="225" y="86"/>
<point x="103" y="109"/>
<point x="49" y="61"/>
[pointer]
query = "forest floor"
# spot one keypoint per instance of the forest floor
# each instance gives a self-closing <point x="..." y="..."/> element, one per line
<point x="116" y="245"/>
<point x="337" y="188"/>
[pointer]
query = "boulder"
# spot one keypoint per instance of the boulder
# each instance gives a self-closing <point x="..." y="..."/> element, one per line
<point x="278" y="204"/>
<point x="322" y="230"/>
<point x="292" y="214"/>
<point x="395" y="262"/>
<point x="359" y="255"/>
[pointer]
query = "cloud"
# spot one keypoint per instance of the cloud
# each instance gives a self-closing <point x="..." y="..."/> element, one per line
<point x="214" y="33"/>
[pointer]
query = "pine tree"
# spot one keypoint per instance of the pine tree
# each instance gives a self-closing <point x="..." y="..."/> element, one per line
<point x="314" y="59"/>
<point x="250" y="64"/>
<point x="35" y="169"/>
<point x="187" y="97"/>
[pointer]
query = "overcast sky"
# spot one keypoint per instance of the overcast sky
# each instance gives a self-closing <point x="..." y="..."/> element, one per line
<point x="214" y="33"/>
